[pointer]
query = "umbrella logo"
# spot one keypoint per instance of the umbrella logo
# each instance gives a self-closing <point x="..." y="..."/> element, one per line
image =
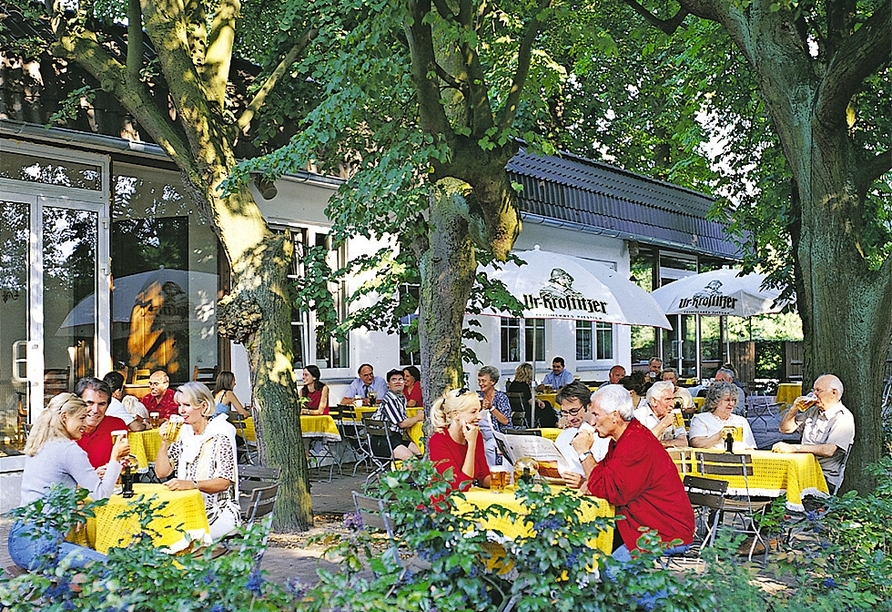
<point x="559" y="294"/>
<point x="709" y="297"/>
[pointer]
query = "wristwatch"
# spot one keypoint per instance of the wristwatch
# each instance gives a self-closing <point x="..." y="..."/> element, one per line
<point x="194" y="483"/>
<point x="585" y="456"/>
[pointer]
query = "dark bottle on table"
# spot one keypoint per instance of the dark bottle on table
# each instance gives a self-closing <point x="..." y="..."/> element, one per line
<point x="127" y="480"/>
<point x="729" y="443"/>
<point x="526" y="476"/>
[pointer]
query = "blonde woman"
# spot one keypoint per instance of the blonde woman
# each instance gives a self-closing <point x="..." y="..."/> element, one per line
<point x="53" y="457"/>
<point x="458" y="443"/>
<point x="202" y="457"/>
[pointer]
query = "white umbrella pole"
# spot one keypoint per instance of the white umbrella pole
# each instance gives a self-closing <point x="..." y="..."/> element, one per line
<point x="533" y="405"/>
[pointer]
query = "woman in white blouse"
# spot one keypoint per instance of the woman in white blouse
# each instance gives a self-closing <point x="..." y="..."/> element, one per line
<point x="706" y="427"/>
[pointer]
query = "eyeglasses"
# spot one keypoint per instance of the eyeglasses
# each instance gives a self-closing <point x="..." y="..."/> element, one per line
<point x="571" y="412"/>
<point x="153" y="383"/>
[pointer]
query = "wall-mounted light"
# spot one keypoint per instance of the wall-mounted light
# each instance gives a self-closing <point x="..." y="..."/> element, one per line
<point x="266" y="187"/>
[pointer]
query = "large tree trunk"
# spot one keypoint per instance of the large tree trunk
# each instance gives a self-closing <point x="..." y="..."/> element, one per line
<point x="447" y="267"/>
<point x="844" y="304"/>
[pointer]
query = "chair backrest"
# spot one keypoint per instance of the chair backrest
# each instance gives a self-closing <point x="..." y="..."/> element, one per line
<point x="141" y="376"/>
<point x="706" y="491"/>
<point x="374" y="514"/>
<point x="377" y="428"/>
<point x="842" y="470"/>
<point x="725" y="464"/>
<point x="263" y="502"/>
<point x="681" y="459"/>
<point x="256" y="473"/>
<point x="205" y="375"/>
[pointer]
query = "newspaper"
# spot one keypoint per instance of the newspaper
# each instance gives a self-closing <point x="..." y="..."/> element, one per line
<point x="541" y="449"/>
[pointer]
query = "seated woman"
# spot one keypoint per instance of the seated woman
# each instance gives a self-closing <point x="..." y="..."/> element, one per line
<point x="457" y="443"/>
<point x="224" y="399"/>
<point x="53" y="457"/>
<point x="706" y="427"/>
<point x="203" y="457"/>
<point x="412" y="390"/>
<point x="315" y="390"/>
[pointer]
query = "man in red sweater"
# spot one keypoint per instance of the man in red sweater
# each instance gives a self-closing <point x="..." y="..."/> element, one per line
<point x="97" y="439"/>
<point x="637" y="475"/>
<point x="160" y="396"/>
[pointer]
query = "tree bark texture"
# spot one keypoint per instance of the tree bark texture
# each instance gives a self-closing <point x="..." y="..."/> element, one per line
<point x="448" y="267"/>
<point x="844" y="303"/>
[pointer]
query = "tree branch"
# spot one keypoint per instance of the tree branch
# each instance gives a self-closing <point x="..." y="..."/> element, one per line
<point x="666" y="25"/>
<point x="219" y="53"/>
<point x="873" y="169"/>
<point x="113" y="77"/>
<point x="524" y="56"/>
<point x="449" y="79"/>
<point x="858" y="57"/>
<point x="274" y="78"/>
<point x="134" y="40"/>
<point x="443" y="9"/>
<point x="432" y="116"/>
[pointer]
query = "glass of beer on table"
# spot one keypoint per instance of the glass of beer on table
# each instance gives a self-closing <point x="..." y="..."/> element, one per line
<point x="499" y="478"/>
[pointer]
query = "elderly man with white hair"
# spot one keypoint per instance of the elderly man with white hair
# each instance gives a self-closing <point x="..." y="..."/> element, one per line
<point x="636" y="475"/>
<point x="657" y="415"/>
<point x="827" y="427"/>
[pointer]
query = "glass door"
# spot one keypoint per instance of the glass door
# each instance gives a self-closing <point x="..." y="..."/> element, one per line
<point x="15" y="227"/>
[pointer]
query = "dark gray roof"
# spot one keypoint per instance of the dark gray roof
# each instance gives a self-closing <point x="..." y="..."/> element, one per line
<point x="605" y="199"/>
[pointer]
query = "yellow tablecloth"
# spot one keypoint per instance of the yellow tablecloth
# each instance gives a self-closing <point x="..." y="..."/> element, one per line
<point x="184" y="512"/>
<point x="144" y="446"/>
<point x="591" y="509"/>
<point x="321" y="426"/>
<point x="788" y="392"/>
<point x="796" y="474"/>
<point x="548" y="397"/>
<point x="551" y="433"/>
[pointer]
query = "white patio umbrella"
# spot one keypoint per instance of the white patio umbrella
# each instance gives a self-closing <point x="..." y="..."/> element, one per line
<point x="720" y="292"/>
<point x="556" y="286"/>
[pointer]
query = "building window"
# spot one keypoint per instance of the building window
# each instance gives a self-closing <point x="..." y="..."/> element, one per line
<point x="594" y="342"/>
<point x="584" y="341"/>
<point x="604" y="340"/>
<point x="510" y="335"/>
<point x="514" y="336"/>
<point x="329" y="352"/>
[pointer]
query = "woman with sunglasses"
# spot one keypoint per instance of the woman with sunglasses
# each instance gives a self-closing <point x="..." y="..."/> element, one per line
<point x="458" y="443"/>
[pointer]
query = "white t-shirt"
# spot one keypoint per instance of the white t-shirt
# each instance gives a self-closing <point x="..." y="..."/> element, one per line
<point x="116" y="409"/>
<point x="707" y="424"/>
<point x="647" y="418"/>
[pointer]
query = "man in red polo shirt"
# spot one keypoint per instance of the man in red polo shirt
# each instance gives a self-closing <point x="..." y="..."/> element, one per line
<point x="97" y="439"/>
<point x="160" y="396"/>
<point x="636" y="475"/>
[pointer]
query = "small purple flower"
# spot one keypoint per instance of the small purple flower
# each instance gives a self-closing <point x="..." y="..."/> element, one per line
<point x="255" y="582"/>
<point x="353" y="520"/>
<point x="829" y="583"/>
<point x="209" y="577"/>
<point x="296" y="587"/>
<point x="218" y="608"/>
<point x="549" y="523"/>
<point x="811" y="515"/>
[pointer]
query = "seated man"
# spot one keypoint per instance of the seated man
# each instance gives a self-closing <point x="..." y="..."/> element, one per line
<point x="727" y="375"/>
<point x="827" y="427"/>
<point x="116" y="408"/>
<point x="657" y="415"/>
<point x="160" y="396"/>
<point x="617" y="372"/>
<point x="97" y="440"/>
<point x="558" y="377"/>
<point x="365" y="382"/>
<point x="680" y="394"/>
<point x="393" y="412"/>
<point x="654" y="367"/>
<point x="637" y="475"/>
<point x="575" y="401"/>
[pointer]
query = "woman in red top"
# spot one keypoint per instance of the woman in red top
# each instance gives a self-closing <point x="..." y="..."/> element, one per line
<point x="315" y="390"/>
<point x="458" y="444"/>
<point x="412" y="390"/>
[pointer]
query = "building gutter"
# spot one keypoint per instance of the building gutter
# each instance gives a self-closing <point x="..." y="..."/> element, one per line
<point x="100" y="143"/>
<point x="598" y="231"/>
